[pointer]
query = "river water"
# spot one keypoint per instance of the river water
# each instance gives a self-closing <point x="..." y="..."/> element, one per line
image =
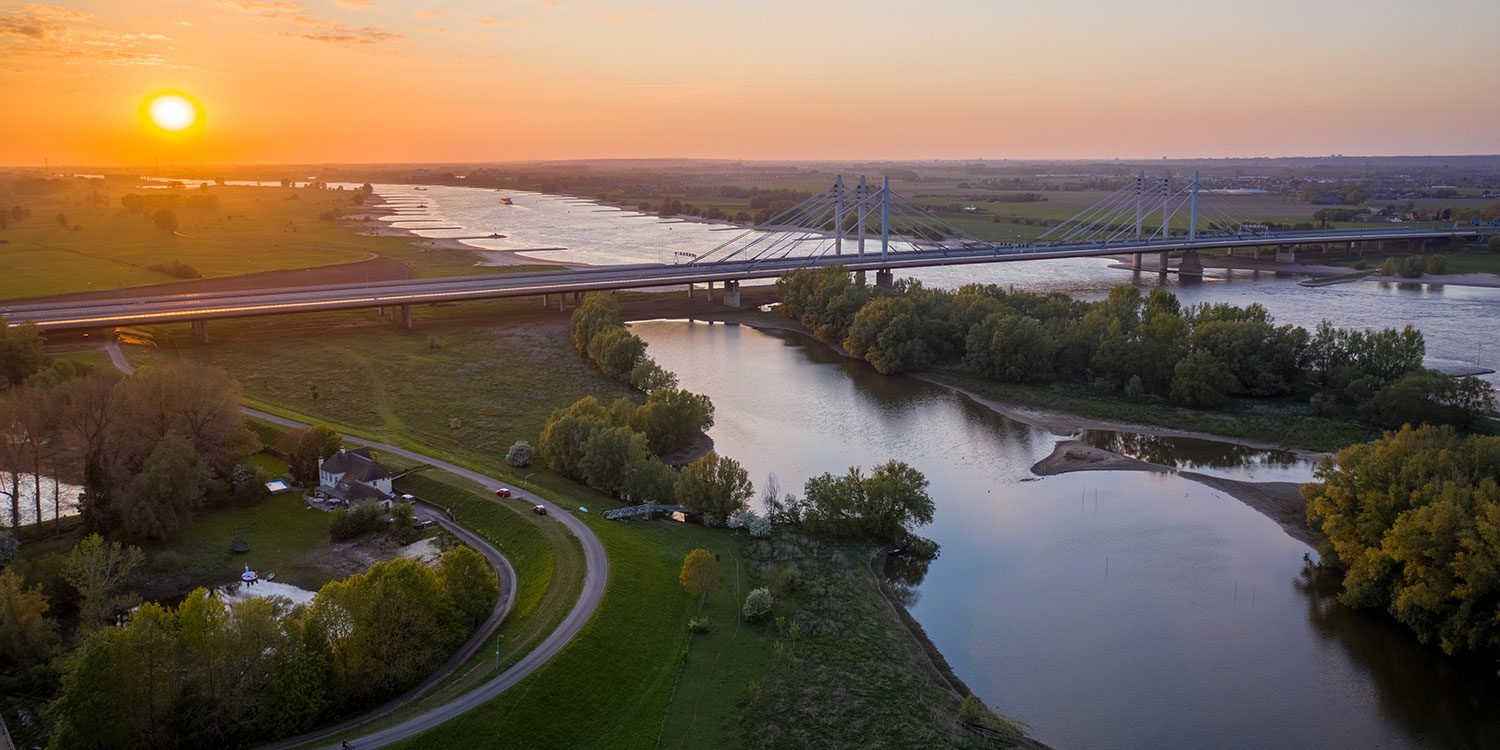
<point x="1457" y="321"/>
<point x="1108" y="609"/>
<point x="1105" y="609"/>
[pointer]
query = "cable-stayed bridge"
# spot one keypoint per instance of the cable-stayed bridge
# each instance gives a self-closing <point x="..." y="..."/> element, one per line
<point x="861" y="227"/>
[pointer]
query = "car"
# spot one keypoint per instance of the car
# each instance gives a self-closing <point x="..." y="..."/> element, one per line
<point x="502" y="492"/>
<point x="540" y="510"/>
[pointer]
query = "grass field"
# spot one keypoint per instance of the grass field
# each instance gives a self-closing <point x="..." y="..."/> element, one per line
<point x="104" y="246"/>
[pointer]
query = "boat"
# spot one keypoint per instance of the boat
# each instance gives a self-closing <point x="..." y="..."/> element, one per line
<point x="507" y="202"/>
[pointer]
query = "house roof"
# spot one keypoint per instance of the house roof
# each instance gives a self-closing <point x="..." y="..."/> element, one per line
<point x="357" y="491"/>
<point x="356" y="465"/>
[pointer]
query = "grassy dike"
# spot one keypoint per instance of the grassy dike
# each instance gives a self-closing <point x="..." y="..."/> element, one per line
<point x="463" y="387"/>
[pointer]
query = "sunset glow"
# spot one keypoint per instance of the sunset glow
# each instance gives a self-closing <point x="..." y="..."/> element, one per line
<point x="172" y="112"/>
<point x="371" y="81"/>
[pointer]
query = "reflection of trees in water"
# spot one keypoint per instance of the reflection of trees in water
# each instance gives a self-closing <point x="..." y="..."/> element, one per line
<point x="1181" y="451"/>
<point x="1442" y="701"/>
<point x="903" y="574"/>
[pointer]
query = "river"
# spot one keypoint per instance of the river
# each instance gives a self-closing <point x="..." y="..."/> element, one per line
<point x="1104" y="609"/>
<point x="1455" y="320"/>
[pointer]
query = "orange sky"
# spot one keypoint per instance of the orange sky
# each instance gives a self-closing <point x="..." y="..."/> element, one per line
<point x="392" y="80"/>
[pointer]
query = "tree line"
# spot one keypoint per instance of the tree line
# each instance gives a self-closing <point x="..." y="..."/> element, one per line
<point x="210" y="674"/>
<point x="1413" y="521"/>
<point x="1137" y="345"/>
<point x="149" y="450"/>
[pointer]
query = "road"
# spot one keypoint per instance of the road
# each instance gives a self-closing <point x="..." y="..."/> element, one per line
<point x="153" y="309"/>
<point x="596" y="574"/>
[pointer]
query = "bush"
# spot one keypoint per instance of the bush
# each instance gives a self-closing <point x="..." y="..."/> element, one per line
<point x="1412" y="266"/>
<point x="780" y="579"/>
<point x="404" y="524"/>
<point x="1388" y="267"/>
<point x="361" y="519"/>
<point x="175" y="268"/>
<point x="1200" y="381"/>
<point x="1437" y="264"/>
<point x="1134" y="391"/>
<point x="758" y="604"/>
<point x="520" y="454"/>
<point x="164" y="220"/>
<point x="698" y="625"/>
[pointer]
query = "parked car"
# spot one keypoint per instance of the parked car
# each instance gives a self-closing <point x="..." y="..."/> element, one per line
<point x="502" y="492"/>
<point x="540" y="510"/>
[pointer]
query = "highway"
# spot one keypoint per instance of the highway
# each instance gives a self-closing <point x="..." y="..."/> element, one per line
<point x="148" y="310"/>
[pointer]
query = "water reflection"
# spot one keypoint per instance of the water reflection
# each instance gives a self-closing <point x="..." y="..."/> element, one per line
<point x="1207" y="456"/>
<point x="1105" y="609"/>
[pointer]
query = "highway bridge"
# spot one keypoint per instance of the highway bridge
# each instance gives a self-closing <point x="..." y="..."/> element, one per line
<point x="838" y="227"/>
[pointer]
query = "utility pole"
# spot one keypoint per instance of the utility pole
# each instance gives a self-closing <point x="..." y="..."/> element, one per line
<point x="838" y="215"/>
<point x="861" y="193"/>
<point x="885" y="216"/>
<point x="1193" y="209"/>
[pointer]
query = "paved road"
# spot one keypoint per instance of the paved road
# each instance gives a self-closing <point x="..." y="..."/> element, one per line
<point x="145" y="310"/>
<point x="596" y="574"/>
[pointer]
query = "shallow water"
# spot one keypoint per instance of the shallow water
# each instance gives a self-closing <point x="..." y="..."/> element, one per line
<point x="1105" y="609"/>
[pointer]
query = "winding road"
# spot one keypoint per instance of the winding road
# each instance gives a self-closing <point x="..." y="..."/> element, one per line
<point x="596" y="574"/>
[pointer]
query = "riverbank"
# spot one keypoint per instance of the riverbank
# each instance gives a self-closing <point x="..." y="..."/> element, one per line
<point x="1319" y="271"/>
<point x="368" y="222"/>
<point x="1058" y="421"/>
<point x="1281" y="502"/>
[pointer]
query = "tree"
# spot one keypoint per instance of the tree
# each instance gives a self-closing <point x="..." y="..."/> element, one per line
<point x="1009" y="348"/>
<point x="20" y="353"/>
<point x="607" y="455"/>
<point x="896" y="501"/>
<point x="97" y="570"/>
<point x="1430" y="397"/>
<point x="672" y="419"/>
<point x="648" y="376"/>
<point x="26" y="635"/>
<point x="1201" y="381"/>
<point x="616" y="351"/>
<point x="648" y="480"/>
<point x="758" y="604"/>
<point x="1493" y="244"/>
<point x="699" y="574"/>
<point x="470" y="583"/>
<point x="163" y="496"/>
<point x="596" y="313"/>
<point x="90" y="417"/>
<point x="164" y="219"/>
<point x="716" y="486"/>
<point x="519" y="455"/>
<point x="9" y="546"/>
<point x="306" y="447"/>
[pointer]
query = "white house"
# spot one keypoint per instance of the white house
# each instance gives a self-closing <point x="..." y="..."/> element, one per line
<point x="354" y="476"/>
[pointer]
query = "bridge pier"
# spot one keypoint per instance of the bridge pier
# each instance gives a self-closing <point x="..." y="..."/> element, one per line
<point x="200" y="331"/>
<point x="710" y="291"/>
<point x="577" y="298"/>
<point x="1135" y="262"/>
<point x="1286" y="254"/>
<point x="1161" y="262"/>
<point x="732" y="293"/>
<point x="1191" y="264"/>
<point x="406" y="321"/>
<point x="884" y="278"/>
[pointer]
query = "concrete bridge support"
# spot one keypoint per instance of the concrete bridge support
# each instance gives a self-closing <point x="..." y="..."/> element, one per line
<point x="885" y="278"/>
<point x="732" y="293"/>
<point x="1191" y="264"/>
<point x="577" y="298"/>
<point x="404" y="312"/>
<point x="1287" y="254"/>
<point x="1161" y="262"/>
<point x="1135" y="262"/>
<point x="200" y="331"/>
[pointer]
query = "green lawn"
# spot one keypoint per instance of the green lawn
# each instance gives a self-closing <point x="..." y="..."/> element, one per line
<point x="281" y="532"/>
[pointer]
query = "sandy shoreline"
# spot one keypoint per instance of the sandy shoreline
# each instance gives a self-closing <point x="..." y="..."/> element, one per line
<point x="1281" y="502"/>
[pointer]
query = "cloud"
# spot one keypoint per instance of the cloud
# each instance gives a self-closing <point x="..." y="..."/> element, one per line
<point x="433" y="13"/>
<point x="40" y="21"/>
<point x="355" y="4"/>
<point x="333" y="32"/>
<point x="34" y="31"/>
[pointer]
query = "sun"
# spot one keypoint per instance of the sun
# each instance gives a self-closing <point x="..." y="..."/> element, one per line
<point x="172" y="112"/>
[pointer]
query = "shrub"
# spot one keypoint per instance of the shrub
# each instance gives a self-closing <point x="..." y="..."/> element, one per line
<point x="1134" y="391"/>
<point x="404" y="524"/>
<point x="780" y="579"/>
<point x="758" y="604"/>
<point x="175" y="268"/>
<point x="164" y="220"/>
<point x="520" y="454"/>
<point x="1437" y="264"/>
<point x="698" y="625"/>
<point x="1388" y="267"/>
<point x="361" y="519"/>
<point x="1412" y="266"/>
